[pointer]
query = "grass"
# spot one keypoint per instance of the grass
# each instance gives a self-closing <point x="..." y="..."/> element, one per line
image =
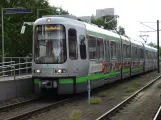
<point x="95" y="100"/>
<point x="136" y="84"/>
<point x="103" y="94"/>
<point x="159" y="86"/>
<point x="75" y="115"/>
<point x="133" y="88"/>
<point x="129" y="90"/>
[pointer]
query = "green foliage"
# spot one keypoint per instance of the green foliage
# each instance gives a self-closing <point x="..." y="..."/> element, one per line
<point x="103" y="22"/>
<point x="103" y="94"/>
<point x="75" y="115"/>
<point x="159" y="86"/>
<point x="136" y="84"/>
<point x="95" y="100"/>
<point x="129" y="90"/>
<point x="17" y="44"/>
<point x="152" y="44"/>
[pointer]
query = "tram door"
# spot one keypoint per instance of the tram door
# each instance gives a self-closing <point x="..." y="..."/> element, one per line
<point x="77" y="47"/>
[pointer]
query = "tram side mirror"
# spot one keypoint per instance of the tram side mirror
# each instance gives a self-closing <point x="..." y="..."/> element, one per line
<point x="23" y="29"/>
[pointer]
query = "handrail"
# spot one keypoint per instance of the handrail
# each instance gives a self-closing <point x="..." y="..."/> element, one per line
<point x="18" y="65"/>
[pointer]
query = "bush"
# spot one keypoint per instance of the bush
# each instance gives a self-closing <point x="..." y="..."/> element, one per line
<point x="75" y="115"/>
<point x="137" y="85"/>
<point x="159" y="86"/>
<point x="129" y="90"/>
<point x="95" y="100"/>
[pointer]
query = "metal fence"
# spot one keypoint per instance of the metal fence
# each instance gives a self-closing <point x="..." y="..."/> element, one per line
<point x="14" y="66"/>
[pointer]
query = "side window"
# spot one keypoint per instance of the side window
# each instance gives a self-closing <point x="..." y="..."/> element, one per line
<point x="128" y="51"/>
<point x="134" y="50"/>
<point x="125" y="50"/>
<point x="100" y="49"/>
<point x="83" y="53"/>
<point x="118" y="52"/>
<point x="107" y="55"/>
<point x="73" y="49"/>
<point x="146" y="53"/>
<point x="113" y="49"/>
<point x="92" y="47"/>
<point x="141" y="53"/>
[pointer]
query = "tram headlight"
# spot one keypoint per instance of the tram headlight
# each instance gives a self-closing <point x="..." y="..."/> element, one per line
<point x="60" y="71"/>
<point x="37" y="71"/>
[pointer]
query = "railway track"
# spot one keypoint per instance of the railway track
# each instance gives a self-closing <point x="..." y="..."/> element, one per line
<point x="158" y="114"/>
<point x="118" y="107"/>
<point x="28" y="108"/>
<point x="33" y="107"/>
<point x="15" y="105"/>
<point x="36" y="109"/>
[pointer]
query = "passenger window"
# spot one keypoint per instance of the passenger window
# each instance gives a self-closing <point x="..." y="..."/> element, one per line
<point x="100" y="49"/>
<point x="107" y="56"/>
<point x="146" y="53"/>
<point x="125" y="50"/>
<point x="141" y="53"/>
<point x="135" y="56"/>
<point x="128" y="51"/>
<point x="73" y="49"/>
<point x="118" y="52"/>
<point x="113" y="49"/>
<point x="92" y="47"/>
<point x="82" y="47"/>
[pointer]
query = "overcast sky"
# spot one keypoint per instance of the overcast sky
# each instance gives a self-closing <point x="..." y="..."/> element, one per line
<point x="131" y="13"/>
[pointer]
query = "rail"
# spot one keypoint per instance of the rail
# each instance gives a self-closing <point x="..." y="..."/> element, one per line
<point x="115" y="109"/>
<point x="14" y="66"/>
<point x="158" y="114"/>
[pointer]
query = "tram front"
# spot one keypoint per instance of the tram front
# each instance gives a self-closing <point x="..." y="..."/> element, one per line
<point x="49" y="55"/>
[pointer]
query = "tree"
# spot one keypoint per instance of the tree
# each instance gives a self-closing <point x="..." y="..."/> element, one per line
<point x="152" y="44"/>
<point x="103" y="22"/>
<point x="110" y="22"/>
<point x="17" y="44"/>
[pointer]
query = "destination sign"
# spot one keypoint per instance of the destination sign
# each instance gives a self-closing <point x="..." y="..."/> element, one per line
<point x="48" y="27"/>
<point x="52" y="28"/>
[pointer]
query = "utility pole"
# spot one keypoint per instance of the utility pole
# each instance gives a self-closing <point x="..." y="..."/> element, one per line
<point x="158" y="45"/>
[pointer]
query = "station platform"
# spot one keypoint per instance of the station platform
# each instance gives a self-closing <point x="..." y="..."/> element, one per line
<point x="21" y="86"/>
<point x="10" y="78"/>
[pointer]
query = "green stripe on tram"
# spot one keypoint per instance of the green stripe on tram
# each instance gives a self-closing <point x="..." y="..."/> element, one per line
<point x="85" y="78"/>
<point x="90" y="77"/>
<point x="36" y="81"/>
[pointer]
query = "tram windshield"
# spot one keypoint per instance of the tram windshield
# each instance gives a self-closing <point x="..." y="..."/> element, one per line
<point x="50" y="44"/>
